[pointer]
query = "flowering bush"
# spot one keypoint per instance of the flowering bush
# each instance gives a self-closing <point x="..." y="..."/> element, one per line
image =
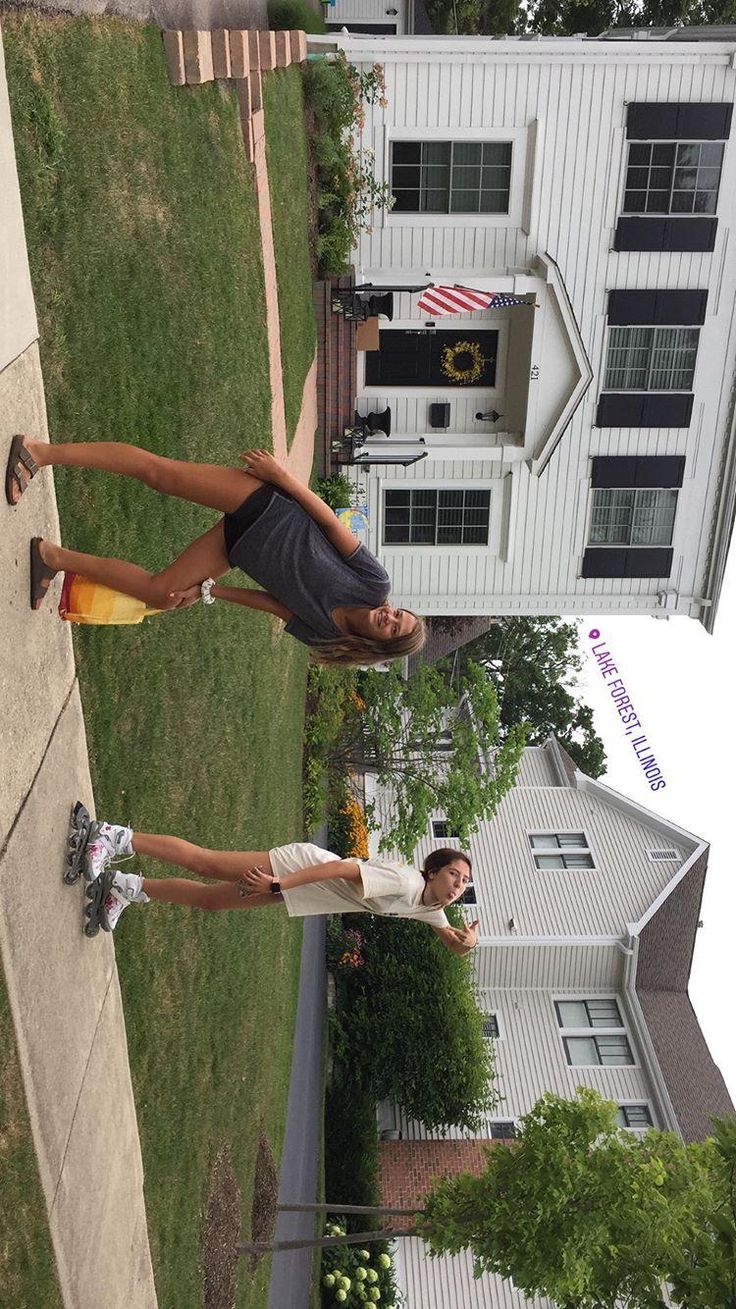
<point x="358" y="1278"/>
<point x="348" y="192"/>
<point x="352" y="955"/>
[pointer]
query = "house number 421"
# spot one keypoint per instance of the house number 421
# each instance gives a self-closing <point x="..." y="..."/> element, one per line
<point x="534" y="375"/>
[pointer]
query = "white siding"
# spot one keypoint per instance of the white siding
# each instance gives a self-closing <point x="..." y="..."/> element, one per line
<point x="578" y="93"/>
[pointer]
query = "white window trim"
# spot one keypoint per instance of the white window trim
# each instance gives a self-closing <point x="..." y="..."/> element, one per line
<point x="612" y="390"/>
<point x="519" y="185"/>
<point x="588" y="1032"/>
<point x="495" y="515"/>
<point x="546" y="831"/>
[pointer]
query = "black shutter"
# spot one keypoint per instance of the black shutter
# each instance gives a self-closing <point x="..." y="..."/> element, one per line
<point x="637" y="470"/>
<point x="657" y="308"/>
<point x="644" y="409"/>
<point x="690" y="233"/>
<point x="653" y="121"/>
<point x="605" y="561"/>
<point x="704" y="122"/>
<point x="667" y="409"/>
<point x="619" y="409"/>
<point x="663" y="121"/>
<point x="681" y="233"/>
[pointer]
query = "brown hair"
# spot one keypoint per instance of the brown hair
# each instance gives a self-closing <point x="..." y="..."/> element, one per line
<point x="352" y="651"/>
<point x="438" y="859"/>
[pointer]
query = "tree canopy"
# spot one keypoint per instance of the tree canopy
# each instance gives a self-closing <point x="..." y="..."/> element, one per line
<point x="434" y="743"/>
<point x="595" y="1217"/>
<point x="536" y="661"/>
<point x="570" y="17"/>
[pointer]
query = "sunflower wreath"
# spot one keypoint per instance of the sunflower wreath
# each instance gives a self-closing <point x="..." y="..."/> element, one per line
<point x="453" y="354"/>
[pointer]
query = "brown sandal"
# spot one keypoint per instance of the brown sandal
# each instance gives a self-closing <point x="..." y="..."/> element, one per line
<point x="41" y="575"/>
<point x="18" y="458"/>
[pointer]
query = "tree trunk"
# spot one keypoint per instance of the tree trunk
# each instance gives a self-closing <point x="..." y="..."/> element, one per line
<point x="325" y="1242"/>
<point x="379" y="1211"/>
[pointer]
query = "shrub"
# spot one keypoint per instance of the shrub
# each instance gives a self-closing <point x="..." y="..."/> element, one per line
<point x="337" y="491"/>
<point x="408" y="1028"/>
<point x="348" y="191"/>
<point x="352" y="1272"/>
<point x="290" y="15"/>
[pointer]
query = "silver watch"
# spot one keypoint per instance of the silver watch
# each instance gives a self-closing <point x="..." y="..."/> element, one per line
<point x="207" y="597"/>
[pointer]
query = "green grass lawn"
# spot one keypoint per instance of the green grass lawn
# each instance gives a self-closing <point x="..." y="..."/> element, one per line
<point x="286" y="152"/>
<point x="145" y="257"/>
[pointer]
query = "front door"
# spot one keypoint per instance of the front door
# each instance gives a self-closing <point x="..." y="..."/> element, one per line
<point x="431" y="358"/>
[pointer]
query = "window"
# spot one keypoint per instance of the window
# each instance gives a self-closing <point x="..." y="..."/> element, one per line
<point x="633" y="516"/>
<point x="503" y="1131"/>
<point x="434" y="517"/>
<point x="441" y="830"/>
<point x="651" y="358"/>
<point x="593" y="1033"/>
<point x="490" y="1026"/>
<point x="560" y="850"/>
<point x="451" y="177"/>
<point x="673" y="177"/>
<point x="588" y="1013"/>
<point x="468" y="896"/>
<point x="587" y="1051"/>
<point x="634" y="1116"/>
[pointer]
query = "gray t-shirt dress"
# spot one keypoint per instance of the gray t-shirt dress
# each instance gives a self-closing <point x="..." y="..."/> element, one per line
<point x="286" y="553"/>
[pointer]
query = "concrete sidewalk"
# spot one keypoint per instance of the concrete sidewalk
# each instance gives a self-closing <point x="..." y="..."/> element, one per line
<point x="63" y="988"/>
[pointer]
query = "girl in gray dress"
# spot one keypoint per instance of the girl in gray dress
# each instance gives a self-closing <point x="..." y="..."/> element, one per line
<point x="328" y="589"/>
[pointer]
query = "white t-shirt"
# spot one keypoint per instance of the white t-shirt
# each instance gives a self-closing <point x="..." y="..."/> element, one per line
<point x="391" y="890"/>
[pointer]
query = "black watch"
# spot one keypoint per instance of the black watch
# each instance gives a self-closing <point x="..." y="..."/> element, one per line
<point x="276" y="886"/>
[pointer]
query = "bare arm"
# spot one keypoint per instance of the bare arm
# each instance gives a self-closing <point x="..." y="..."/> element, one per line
<point x="263" y="465"/>
<point x="258" y="881"/>
<point x="458" y="940"/>
<point x="242" y="595"/>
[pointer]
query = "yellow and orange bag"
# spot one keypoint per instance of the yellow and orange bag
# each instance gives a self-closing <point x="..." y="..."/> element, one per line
<point x="91" y="603"/>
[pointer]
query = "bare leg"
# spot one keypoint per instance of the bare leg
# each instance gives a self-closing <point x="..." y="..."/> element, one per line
<point x="203" y="484"/>
<point x="219" y="865"/>
<point x="205" y="557"/>
<point x="224" y="895"/>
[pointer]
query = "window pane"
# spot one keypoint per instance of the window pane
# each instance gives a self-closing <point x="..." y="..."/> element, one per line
<point x="503" y="1131"/>
<point x="544" y="841"/>
<point x="663" y="154"/>
<point x="654" y="517"/>
<point x="436" y="152"/>
<point x="572" y="1013"/>
<point x="467" y="152"/>
<point x="549" y="861"/>
<point x="406" y="152"/>
<point x="490" y="1025"/>
<point x="497" y="152"/>
<point x="604" y="1013"/>
<point x="464" y="202"/>
<point x="614" y="1050"/>
<point x="572" y="840"/>
<point x="582" y="1051"/>
<point x="634" y="1115"/>
<point x="578" y="860"/>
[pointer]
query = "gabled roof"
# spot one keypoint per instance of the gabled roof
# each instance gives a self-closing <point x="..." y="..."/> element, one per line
<point x="579" y="367"/>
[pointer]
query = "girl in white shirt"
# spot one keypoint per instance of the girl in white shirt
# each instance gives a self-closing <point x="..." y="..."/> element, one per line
<point x="305" y="878"/>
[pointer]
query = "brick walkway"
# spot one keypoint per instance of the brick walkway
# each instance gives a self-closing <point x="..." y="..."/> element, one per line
<point x="244" y="57"/>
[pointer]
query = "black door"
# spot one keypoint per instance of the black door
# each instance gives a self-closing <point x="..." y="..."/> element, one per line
<point x="426" y="357"/>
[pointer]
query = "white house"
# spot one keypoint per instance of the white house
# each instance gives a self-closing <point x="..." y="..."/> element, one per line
<point x="589" y="907"/>
<point x="588" y="465"/>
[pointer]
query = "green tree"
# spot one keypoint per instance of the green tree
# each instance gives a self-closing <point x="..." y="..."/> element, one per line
<point x="591" y="1216"/>
<point x="399" y="735"/>
<point x="539" y="661"/>
<point x="596" y="16"/>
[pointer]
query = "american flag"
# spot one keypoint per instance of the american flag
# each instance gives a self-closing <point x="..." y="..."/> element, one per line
<point x="438" y="300"/>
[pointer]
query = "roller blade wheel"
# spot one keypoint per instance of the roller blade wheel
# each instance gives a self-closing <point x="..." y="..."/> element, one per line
<point x="95" y="895"/>
<point x="80" y="823"/>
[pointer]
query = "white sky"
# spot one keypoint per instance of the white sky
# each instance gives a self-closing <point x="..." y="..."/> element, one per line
<point x="680" y="681"/>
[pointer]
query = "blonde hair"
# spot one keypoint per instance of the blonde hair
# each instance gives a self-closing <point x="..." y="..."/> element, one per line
<point x="353" y="651"/>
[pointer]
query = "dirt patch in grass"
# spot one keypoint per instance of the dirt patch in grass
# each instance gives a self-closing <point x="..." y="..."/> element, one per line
<point x="265" y="1198"/>
<point x="220" y="1232"/>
